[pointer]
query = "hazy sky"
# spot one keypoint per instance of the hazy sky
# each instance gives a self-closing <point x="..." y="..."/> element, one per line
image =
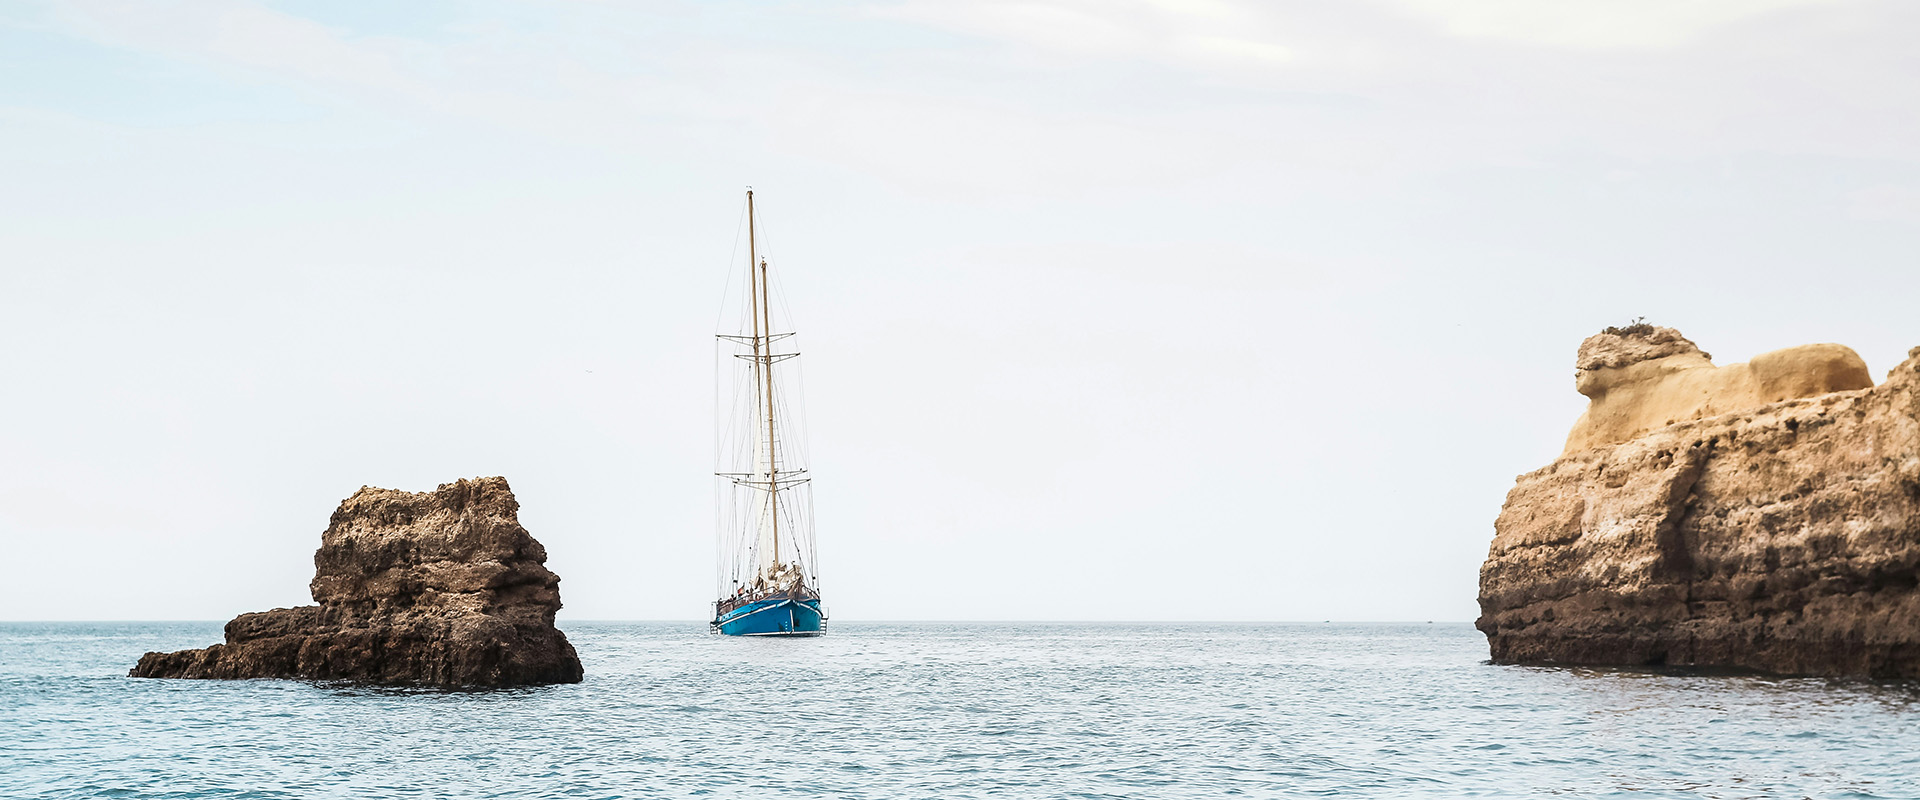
<point x="1111" y="310"/>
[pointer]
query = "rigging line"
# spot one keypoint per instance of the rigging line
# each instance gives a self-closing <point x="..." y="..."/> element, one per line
<point x="719" y="540"/>
<point x="801" y="515"/>
<point x="812" y="521"/>
<point x="720" y="432"/>
<point x="797" y="416"/>
<point x="803" y="428"/>
<point x="780" y="406"/>
<point x="779" y="284"/>
<point x="800" y="392"/>
<point x="725" y="537"/>
<point x="733" y="253"/>
<point x="727" y="447"/>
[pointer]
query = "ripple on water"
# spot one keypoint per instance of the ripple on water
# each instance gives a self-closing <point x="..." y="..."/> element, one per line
<point x="950" y="711"/>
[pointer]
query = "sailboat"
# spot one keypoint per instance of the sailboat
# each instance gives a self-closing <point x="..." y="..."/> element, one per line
<point x="768" y="575"/>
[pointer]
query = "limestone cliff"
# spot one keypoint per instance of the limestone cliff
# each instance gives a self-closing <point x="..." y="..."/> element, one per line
<point x="440" y="588"/>
<point x="1782" y="537"/>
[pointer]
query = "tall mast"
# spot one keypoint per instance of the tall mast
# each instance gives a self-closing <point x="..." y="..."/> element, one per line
<point x="763" y="366"/>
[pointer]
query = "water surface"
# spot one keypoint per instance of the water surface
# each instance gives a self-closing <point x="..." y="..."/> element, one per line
<point x="951" y="711"/>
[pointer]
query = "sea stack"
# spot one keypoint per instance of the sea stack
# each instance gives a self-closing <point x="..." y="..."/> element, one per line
<point x="1761" y="516"/>
<point x="440" y="588"/>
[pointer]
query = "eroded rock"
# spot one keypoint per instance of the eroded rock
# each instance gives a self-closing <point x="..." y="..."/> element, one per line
<point x="1644" y="378"/>
<point x="1783" y="537"/>
<point x="441" y="588"/>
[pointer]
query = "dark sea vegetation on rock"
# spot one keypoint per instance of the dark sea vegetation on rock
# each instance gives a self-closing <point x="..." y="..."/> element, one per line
<point x="1762" y="517"/>
<point x="441" y="588"/>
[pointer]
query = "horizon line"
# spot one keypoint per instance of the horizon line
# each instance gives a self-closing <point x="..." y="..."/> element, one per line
<point x="559" y="623"/>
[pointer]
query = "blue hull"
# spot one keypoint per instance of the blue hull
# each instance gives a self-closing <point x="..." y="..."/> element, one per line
<point x="777" y="616"/>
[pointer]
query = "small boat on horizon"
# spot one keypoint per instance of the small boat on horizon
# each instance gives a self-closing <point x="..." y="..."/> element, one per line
<point x="768" y="576"/>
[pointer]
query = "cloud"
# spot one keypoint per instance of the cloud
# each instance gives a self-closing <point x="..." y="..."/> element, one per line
<point x="1592" y="24"/>
<point x="949" y="144"/>
<point x="513" y="80"/>
<point x="1182" y="32"/>
<point x="1251" y="34"/>
<point x="1076" y="95"/>
<point x="238" y="34"/>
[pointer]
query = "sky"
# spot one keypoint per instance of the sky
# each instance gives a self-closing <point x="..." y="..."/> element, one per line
<point x="1116" y="310"/>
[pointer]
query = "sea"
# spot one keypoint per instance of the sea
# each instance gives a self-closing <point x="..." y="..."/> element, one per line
<point x="952" y="710"/>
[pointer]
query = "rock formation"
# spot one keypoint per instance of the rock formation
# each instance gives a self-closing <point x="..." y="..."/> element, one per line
<point x="440" y="588"/>
<point x="1641" y="378"/>
<point x="1778" y="536"/>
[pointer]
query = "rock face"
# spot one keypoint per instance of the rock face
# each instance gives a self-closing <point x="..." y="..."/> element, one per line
<point x="440" y="588"/>
<point x="1783" y="537"/>
<point x="1643" y="378"/>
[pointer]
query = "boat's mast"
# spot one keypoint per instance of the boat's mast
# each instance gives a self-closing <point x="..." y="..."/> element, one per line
<point x="763" y="327"/>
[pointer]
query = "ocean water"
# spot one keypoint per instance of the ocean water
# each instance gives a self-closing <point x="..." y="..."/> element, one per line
<point x="952" y="711"/>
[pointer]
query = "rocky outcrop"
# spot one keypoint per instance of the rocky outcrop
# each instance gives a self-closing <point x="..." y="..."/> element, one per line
<point x="440" y="588"/>
<point x="1642" y="378"/>
<point x="1783" y="538"/>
